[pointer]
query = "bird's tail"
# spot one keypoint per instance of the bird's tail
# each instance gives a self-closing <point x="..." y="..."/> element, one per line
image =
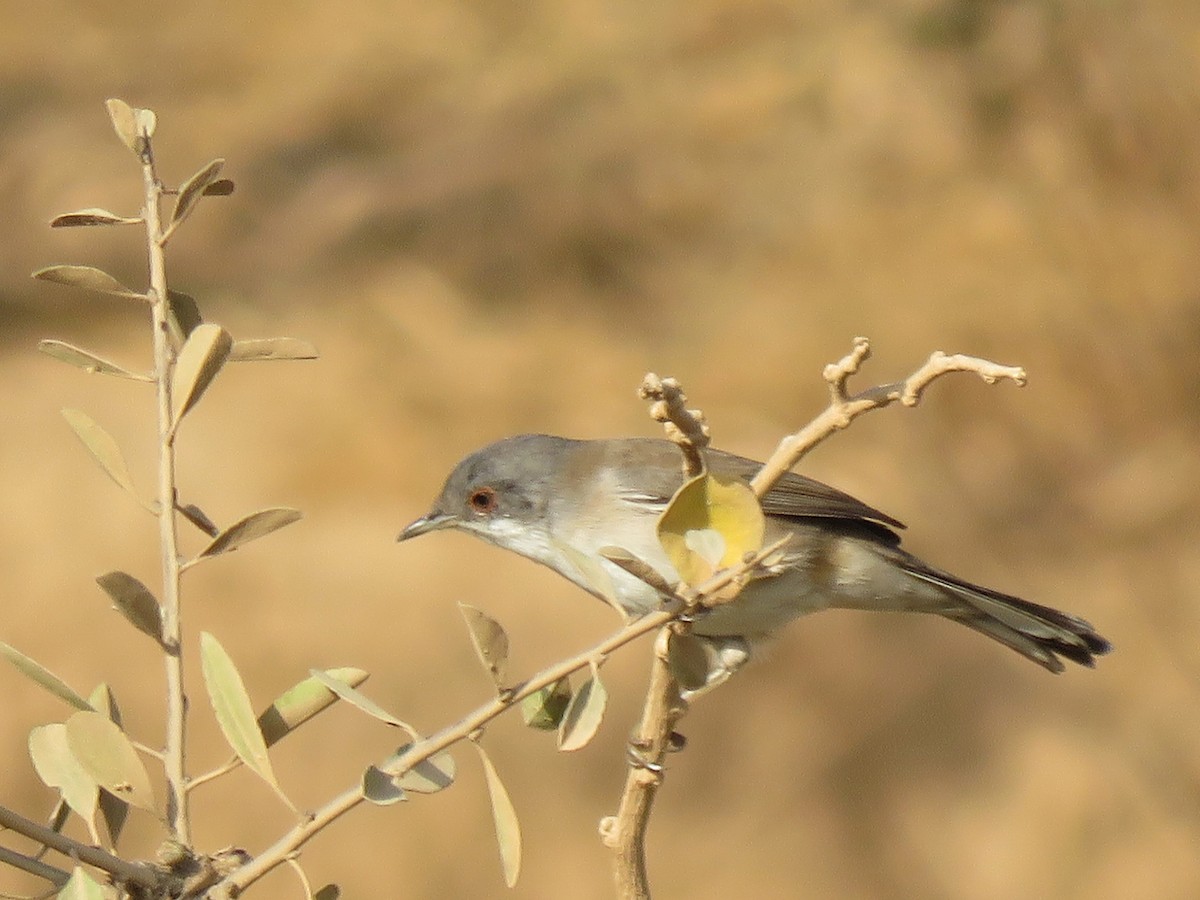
<point x="1037" y="632"/>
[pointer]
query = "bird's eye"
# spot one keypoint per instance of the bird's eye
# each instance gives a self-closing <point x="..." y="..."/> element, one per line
<point x="483" y="500"/>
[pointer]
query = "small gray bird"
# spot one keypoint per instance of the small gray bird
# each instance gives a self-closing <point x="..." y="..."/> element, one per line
<point x="559" y="501"/>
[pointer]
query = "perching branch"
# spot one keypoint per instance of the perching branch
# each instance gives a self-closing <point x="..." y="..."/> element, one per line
<point x="626" y="831"/>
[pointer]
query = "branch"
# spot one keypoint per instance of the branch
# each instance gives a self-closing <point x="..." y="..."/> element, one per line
<point x="53" y="874"/>
<point x="843" y="408"/>
<point x="132" y="873"/>
<point x="625" y="833"/>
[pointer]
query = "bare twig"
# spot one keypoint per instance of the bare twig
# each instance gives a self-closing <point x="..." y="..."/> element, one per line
<point x="843" y="408"/>
<point x="53" y="874"/>
<point x="686" y="427"/>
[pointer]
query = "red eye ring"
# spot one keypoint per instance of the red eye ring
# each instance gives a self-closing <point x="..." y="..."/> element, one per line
<point x="483" y="500"/>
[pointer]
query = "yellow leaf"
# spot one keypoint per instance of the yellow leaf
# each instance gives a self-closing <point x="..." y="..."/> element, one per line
<point x="710" y="525"/>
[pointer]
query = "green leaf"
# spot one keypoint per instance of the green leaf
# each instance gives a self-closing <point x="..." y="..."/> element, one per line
<point x="584" y="714"/>
<point x="709" y="525"/>
<point x="88" y="278"/>
<point x="362" y="701"/>
<point x="107" y="755"/>
<point x="202" y="357"/>
<point x="43" y="676"/>
<point x="134" y="601"/>
<point x="380" y="788"/>
<point x="92" y="216"/>
<point x="82" y="886"/>
<point x="272" y="348"/>
<point x="183" y="315"/>
<point x="58" y="768"/>
<point x="426" y="777"/>
<point x="298" y="704"/>
<point x="235" y="715"/>
<point x="328" y="892"/>
<point x="104" y="450"/>
<point x="544" y="709"/>
<point x="490" y="640"/>
<point x="196" y="516"/>
<point x="504" y="816"/>
<point x="253" y="526"/>
<point x="86" y="360"/>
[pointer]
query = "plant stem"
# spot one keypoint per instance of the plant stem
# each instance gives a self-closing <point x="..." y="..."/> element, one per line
<point x="174" y="759"/>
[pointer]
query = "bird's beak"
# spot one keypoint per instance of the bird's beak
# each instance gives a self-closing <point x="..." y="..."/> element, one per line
<point x="434" y="521"/>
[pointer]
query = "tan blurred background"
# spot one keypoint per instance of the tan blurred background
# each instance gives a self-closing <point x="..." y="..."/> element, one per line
<point x="494" y="217"/>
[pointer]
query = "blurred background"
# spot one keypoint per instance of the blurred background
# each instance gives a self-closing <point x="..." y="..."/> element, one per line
<point x="494" y="217"/>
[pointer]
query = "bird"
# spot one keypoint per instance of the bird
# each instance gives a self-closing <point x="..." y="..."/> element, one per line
<point x="560" y="501"/>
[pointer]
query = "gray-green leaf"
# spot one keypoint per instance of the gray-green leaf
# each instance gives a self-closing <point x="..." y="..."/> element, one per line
<point x="272" y="348"/>
<point x="89" y="278"/>
<point x="544" y="709"/>
<point x="380" y="788"/>
<point x="328" y="892"/>
<point x="92" y="216"/>
<point x="584" y="714"/>
<point x="361" y="701"/>
<point x="104" y="450"/>
<point x="134" y="601"/>
<point x="490" y="640"/>
<point x="426" y="777"/>
<point x="58" y="768"/>
<point x="202" y="357"/>
<point x="300" y="703"/>
<point x="183" y="315"/>
<point x="107" y="755"/>
<point x="504" y="816"/>
<point x="43" y="676"/>
<point x="233" y="710"/>
<point x="86" y="360"/>
<point x="253" y="526"/>
<point x="82" y="886"/>
<point x="192" y="190"/>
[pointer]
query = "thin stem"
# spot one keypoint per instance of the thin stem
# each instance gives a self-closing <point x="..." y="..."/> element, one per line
<point x="53" y="874"/>
<point x="174" y="759"/>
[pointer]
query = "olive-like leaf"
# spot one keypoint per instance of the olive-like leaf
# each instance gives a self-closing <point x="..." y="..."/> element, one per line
<point x="328" y="892"/>
<point x="134" y="601"/>
<point x="490" y="640"/>
<point x="584" y="714"/>
<point x="504" y="815"/>
<point x="362" y="701"/>
<point x="58" y="768"/>
<point x="544" y="709"/>
<point x="107" y="755"/>
<point x="196" y="516"/>
<point x="147" y="121"/>
<point x="202" y="357"/>
<point x="426" y="777"/>
<point x="272" y="348"/>
<point x="251" y="527"/>
<point x="231" y="704"/>
<point x="113" y="809"/>
<point x="82" y="886"/>
<point x="710" y="524"/>
<point x="380" y="788"/>
<point x="222" y="187"/>
<point x="89" y="278"/>
<point x="190" y="193"/>
<point x="299" y="703"/>
<point x="104" y="450"/>
<point x="183" y="315"/>
<point x="87" y="360"/>
<point x="43" y="676"/>
<point x="125" y="124"/>
<point x="92" y="216"/>
<point x="593" y="573"/>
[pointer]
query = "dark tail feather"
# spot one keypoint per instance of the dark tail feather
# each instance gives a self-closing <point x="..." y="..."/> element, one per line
<point x="1037" y="632"/>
